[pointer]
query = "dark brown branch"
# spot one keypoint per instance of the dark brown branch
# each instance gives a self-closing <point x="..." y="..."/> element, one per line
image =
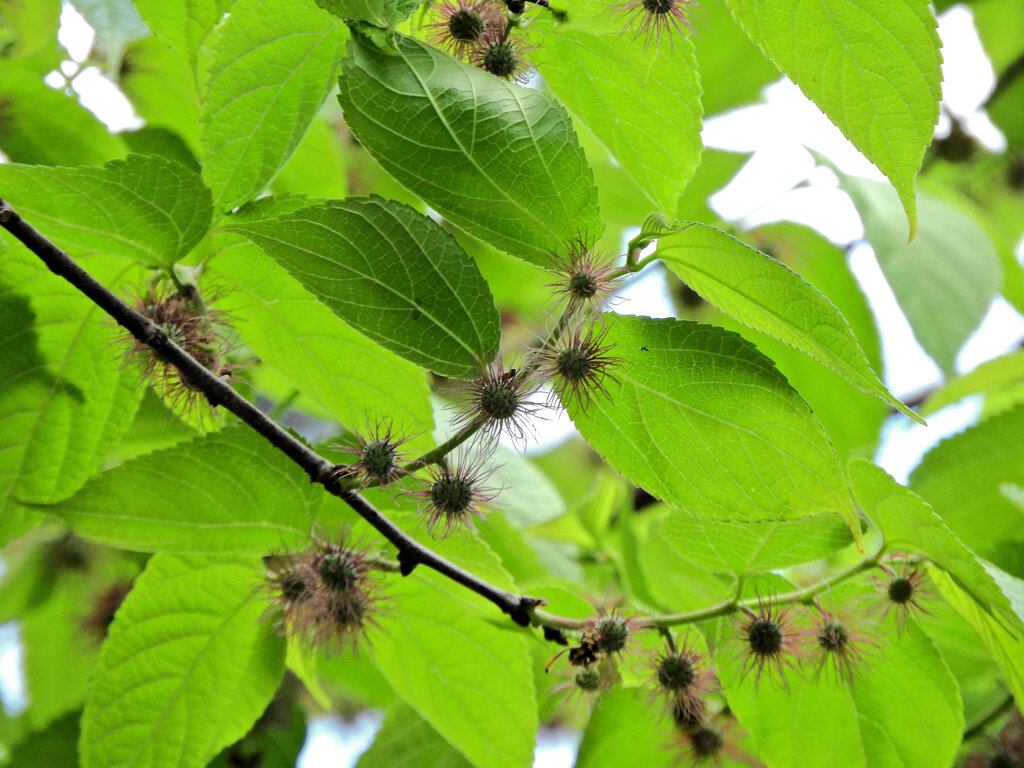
<point x="410" y="552"/>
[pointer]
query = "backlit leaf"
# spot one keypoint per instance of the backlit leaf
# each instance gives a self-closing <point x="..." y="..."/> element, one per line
<point x="764" y="294"/>
<point x="642" y="101"/>
<point x="227" y="492"/>
<point x="144" y="207"/>
<point x="189" y="665"/>
<point x="263" y="76"/>
<point x="872" y="66"/>
<point x="700" y="419"/>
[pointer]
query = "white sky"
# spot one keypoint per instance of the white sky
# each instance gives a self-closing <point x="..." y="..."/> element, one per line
<point x="777" y="133"/>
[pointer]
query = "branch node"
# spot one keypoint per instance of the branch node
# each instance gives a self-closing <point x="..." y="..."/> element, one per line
<point x="523" y="611"/>
<point x="407" y="561"/>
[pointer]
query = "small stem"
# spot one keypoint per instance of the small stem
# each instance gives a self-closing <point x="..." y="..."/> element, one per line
<point x="436" y="455"/>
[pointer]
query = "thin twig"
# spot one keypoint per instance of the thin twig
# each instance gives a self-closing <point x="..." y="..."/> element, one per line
<point x="410" y="552"/>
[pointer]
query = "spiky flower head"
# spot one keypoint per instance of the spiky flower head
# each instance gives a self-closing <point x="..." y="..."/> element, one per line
<point x="587" y="279"/>
<point x="608" y="633"/>
<point x="326" y="596"/>
<point x="186" y="320"/>
<point x="461" y="24"/>
<point x="502" y="55"/>
<point x="681" y="680"/>
<point x="453" y="493"/>
<point x="577" y="366"/>
<point x="768" y="639"/>
<point x="499" y="401"/>
<point x="902" y="592"/>
<point x="650" y="19"/>
<point x="841" y="647"/>
<point x="378" y="457"/>
<point x="702" y="743"/>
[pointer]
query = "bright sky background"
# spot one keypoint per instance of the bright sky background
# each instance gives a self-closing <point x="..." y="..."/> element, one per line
<point x="777" y="133"/>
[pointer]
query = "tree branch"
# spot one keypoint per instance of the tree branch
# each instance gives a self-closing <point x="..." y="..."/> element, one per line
<point x="410" y="552"/>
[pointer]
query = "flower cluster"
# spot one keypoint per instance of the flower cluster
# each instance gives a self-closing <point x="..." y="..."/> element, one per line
<point x="481" y="31"/>
<point x="327" y="596"/>
<point x="184" y="317"/>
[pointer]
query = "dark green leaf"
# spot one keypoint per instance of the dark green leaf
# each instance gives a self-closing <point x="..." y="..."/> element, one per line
<point x="189" y="665"/>
<point x="498" y="160"/>
<point x="344" y="376"/>
<point x="416" y="292"/>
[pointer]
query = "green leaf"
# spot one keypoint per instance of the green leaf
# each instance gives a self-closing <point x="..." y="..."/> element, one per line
<point x="873" y="67"/>
<point x="909" y="523"/>
<point x="144" y="207"/>
<point x="317" y="168"/>
<point x="496" y="159"/>
<point x="853" y="419"/>
<point x="945" y="280"/>
<point x="1006" y="644"/>
<point x="623" y="730"/>
<point x="228" y="492"/>
<point x="380" y="13"/>
<point x="764" y="294"/>
<point x="183" y="25"/>
<point x="265" y="71"/>
<point x="747" y="548"/>
<point x="643" y="104"/>
<point x="732" y="69"/>
<point x="341" y="373"/>
<point x="415" y="292"/>
<point x="45" y="126"/>
<point x="438" y="637"/>
<point x="700" y="419"/>
<point x="189" y="665"/>
<point x="990" y="378"/>
<point x="405" y="740"/>
<point x="967" y="656"/>
<point x="901" y="711"/>
<point x="961" y="478"/>
<point x="65" y="394"/>
<point x="160" y="88"/>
